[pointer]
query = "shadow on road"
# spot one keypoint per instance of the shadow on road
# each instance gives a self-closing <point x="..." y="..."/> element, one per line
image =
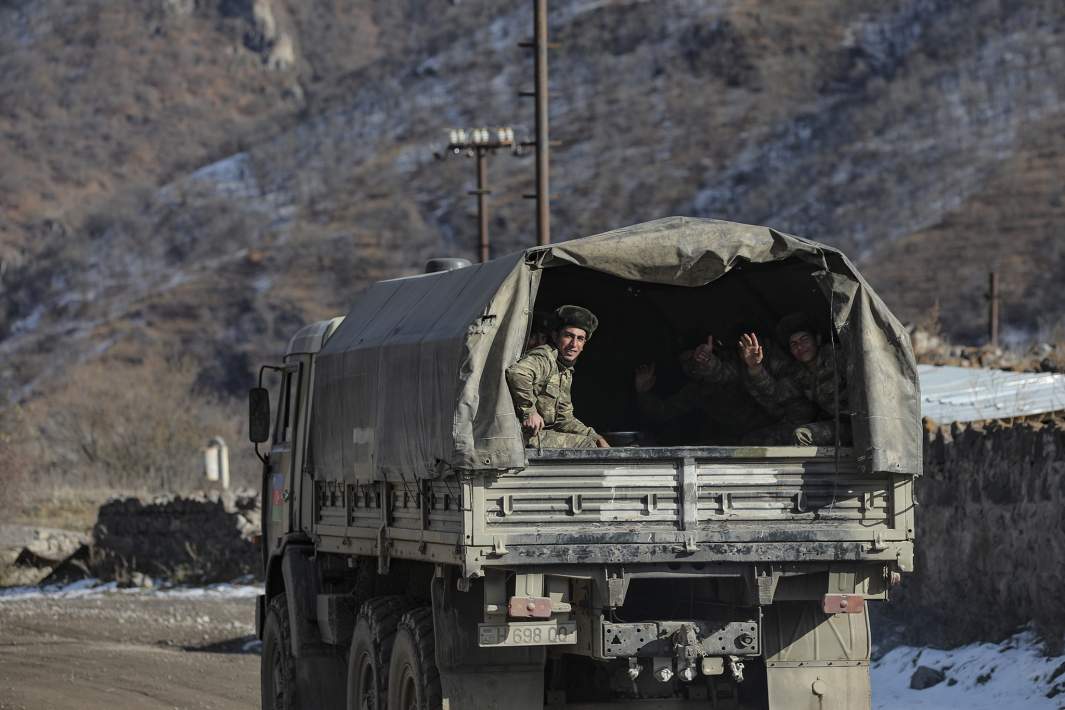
<point x="242" y="644"/>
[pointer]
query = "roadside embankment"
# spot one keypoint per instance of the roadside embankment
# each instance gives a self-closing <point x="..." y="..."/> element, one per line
<point x="990" y="537"/>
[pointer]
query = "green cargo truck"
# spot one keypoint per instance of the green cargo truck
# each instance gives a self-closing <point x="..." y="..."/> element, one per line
<point x="419" y="556"/>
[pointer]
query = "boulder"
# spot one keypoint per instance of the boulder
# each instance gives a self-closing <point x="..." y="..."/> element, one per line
<point x="925" y="677"/>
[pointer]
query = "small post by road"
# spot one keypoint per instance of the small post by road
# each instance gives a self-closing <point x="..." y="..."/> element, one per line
<point x="992" y="309"/>
<point x="216" y="461"/>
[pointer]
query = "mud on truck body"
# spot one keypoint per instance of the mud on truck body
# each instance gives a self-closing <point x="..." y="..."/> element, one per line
<point x="417" y="555"/>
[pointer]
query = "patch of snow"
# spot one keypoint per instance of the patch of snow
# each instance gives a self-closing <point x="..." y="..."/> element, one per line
<point x="74" y="590"/>
<point x="262" y="283"/>
<point x="29" y="323"/>
<point x="94" y="588"/>
<point x="980" y="676"/>
<point x="213" y="591"/>
<point x="230" y="176"/>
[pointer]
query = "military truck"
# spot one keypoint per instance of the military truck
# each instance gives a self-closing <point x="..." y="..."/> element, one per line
<point x="419" y="556"/>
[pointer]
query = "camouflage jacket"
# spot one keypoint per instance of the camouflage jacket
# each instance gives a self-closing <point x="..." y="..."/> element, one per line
<point x="783" y="404"/>
<point x="728" y="410"/>
<point x="796" y="383"/>
<point x="728" y="367"/>
<point x="540" y="382"/>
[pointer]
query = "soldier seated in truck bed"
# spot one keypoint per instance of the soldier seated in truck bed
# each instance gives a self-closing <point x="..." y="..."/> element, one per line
<point x="759" y="395"/>
<point x="713" y="389"/>
<point x="540" y="385"/>
<point x="813" y="378"/>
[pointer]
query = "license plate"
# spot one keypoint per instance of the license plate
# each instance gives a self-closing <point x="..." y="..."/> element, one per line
<point x="549" y="633"/>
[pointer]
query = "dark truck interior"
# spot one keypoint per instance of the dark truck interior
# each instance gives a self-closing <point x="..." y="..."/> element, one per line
<point x="643" y="323"/>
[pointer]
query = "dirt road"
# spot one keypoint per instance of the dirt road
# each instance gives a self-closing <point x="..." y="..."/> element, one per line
<point x="129" y="650"/>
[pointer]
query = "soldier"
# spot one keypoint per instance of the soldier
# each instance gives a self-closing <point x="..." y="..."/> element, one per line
<point x="714" y="388"/>
<point x="540" y="384"/>
<point x="540" y="333"/>
<point x="814" y="375"/>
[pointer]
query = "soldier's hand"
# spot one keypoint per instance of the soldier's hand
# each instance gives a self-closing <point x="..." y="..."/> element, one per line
<point x="751" y="351"/>
<point x="533" y="423"/>
<point x="645" y="378"/>
<point x="602" y="443"/>
<point x="704" y="352"/>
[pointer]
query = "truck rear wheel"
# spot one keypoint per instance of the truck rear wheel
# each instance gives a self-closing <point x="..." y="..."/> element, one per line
<point x="413" y="679"/>
<point x="278" y="673"/>
<point x="371" y="648"/>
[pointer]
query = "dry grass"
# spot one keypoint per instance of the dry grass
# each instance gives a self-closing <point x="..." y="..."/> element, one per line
<point x="64" y="507"/>
<point x="116" y="428"/>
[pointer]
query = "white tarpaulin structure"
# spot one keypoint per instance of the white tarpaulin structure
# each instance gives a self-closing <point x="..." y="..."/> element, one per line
<point x="964" y="394"/>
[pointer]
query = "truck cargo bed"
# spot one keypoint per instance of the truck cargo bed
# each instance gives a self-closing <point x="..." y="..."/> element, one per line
<point x="632" y="505"/>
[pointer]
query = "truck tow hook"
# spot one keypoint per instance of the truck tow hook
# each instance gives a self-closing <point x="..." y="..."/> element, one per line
<point x="686" y="650"/>
<point x="735" y="665"/>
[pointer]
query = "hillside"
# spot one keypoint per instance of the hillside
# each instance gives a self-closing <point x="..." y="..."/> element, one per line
<point x="194" y="178"/>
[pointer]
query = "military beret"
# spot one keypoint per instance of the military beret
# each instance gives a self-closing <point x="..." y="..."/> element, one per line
<point x="794" y="323"/>
<point x="576" y="317"/>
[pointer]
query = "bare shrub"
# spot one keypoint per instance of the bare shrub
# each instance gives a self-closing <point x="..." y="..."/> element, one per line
<point x="136" y="427"/>
<point x="15" y="459"/>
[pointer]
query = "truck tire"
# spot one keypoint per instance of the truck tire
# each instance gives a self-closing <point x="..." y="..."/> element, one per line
<point x="278" y="667"/>
<point x="371" y="648"/>
<point x="413" y="679"/>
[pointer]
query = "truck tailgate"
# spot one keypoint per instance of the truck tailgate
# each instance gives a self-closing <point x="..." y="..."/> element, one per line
<point x="692" y="496"/>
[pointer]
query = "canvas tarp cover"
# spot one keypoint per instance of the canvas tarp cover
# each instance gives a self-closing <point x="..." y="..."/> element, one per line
<point x="412" y="384"/>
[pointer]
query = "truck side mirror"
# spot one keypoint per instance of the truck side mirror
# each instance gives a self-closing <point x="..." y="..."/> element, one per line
<point x="258" y="414"/>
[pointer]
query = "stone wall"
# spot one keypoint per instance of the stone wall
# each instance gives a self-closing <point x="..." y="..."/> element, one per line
<point x="991" y="537"/>
<point x="203" y="538"/>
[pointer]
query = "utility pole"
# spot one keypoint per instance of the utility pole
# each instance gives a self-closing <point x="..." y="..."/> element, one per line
<point x="540" y="45"/>
<point x="479" y="143"/>
<point x="992" y="309"/>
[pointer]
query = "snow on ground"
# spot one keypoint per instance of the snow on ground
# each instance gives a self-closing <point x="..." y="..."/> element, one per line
<point x="94" y="587"/>
<point x="1006" y="676"/>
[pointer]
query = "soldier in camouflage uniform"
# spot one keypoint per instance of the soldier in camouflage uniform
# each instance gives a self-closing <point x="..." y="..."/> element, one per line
<point x="540" y="385"/>
<point x="812" y="376"/>
<point x="714" y="389"/>
<point x="540" y="333"/>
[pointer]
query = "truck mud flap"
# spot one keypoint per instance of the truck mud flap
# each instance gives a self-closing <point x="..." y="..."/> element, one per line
<point x="814" y="660"/>
<point x="302" y="588"/>
<point x="507" y="678"/>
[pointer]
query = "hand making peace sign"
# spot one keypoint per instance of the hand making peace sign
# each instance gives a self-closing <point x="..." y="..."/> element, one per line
<point x="751" y="351"/>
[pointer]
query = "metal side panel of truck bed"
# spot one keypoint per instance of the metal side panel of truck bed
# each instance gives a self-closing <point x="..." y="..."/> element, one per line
<point x="634" y="505"/>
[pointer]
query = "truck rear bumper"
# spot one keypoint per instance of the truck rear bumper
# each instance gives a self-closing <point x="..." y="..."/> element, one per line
<point x="701" y="553"/>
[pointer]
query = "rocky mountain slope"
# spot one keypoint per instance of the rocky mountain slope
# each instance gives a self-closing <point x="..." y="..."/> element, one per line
<point x="203" y="176"/>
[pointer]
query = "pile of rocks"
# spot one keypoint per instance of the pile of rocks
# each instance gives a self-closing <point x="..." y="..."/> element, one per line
<point x="28" y="555"/>
<point x="206" y="537"/>
<point x="932" y="349"/>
